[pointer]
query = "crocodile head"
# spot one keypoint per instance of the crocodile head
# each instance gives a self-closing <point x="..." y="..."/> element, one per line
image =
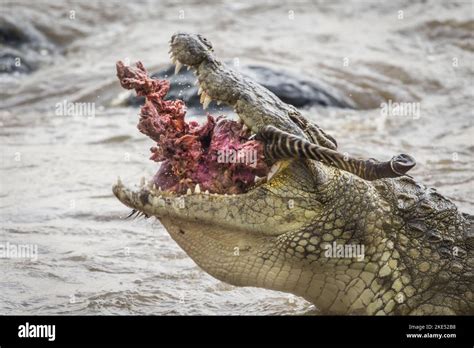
<point x="388" y="246"/>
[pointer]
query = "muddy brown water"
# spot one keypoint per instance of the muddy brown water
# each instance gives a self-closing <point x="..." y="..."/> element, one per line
<point x="57" y="168"/>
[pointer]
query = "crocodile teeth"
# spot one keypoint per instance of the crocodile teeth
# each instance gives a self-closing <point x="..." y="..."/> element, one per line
<point x="178" y="67"/>
<point x="258" y="180"/>
<point x="206" y="192"/>
<point x="218" y="102"/>
<point x="203" y="96"/>
<point x="188" y="67"/>
<point x="199" y="90"/>
<point x="273" y="170"/>
<point x="207" y="101"/>
<point x="245" y="128"/>
<point x="197" y="189"/>
<point x="154" y="187"/>
<point x="188" y="192"/>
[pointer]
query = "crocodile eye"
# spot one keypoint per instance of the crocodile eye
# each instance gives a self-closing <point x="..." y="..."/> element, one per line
<point x="416" y="228"/>
<point x="205" y="41"/>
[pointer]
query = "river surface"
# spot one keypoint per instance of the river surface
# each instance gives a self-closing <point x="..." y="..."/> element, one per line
<point x="57" y="168"/>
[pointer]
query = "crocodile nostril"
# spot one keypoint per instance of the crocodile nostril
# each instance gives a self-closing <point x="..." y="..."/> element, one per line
<point x="173" y="38"/>
<point x="178" y="34"/>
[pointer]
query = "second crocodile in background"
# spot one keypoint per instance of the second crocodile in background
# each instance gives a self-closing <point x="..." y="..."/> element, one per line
<point x="275" y="232"/>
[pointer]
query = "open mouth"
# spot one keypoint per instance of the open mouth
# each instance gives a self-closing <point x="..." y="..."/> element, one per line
<point x="219" y="156"/>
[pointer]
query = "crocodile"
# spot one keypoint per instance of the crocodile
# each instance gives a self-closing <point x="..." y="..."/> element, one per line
<point x="350" y="236"/>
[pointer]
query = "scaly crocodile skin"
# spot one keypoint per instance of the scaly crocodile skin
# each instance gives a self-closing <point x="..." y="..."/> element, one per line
<point x="417" y="246"/>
